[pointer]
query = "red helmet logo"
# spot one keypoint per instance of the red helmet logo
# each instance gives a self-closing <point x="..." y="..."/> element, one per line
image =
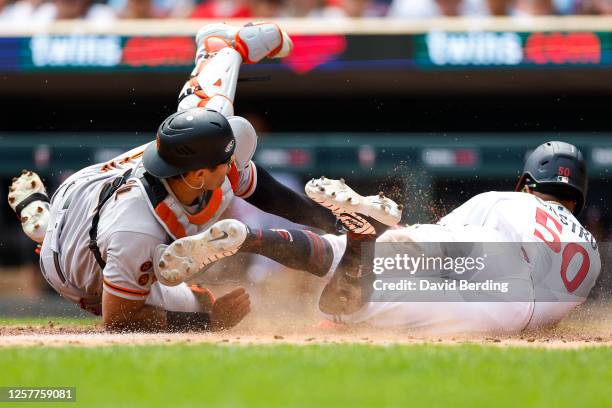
<point x="564" y="171"/>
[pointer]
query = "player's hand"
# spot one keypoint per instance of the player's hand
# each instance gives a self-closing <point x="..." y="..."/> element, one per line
<point x="230" y="309"/>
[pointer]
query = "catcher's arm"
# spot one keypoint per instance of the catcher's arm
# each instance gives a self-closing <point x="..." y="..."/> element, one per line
<point x="121" y="314"/>
<point x="128" y="286"/>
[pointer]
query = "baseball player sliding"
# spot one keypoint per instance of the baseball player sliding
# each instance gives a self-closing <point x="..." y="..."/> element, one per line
<point x="104" y="234"/>
<point x="551" y="261"/>
<point x="555" y="266"/>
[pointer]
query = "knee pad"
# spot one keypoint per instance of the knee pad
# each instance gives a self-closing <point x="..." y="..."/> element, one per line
<point x="257" y="41"/>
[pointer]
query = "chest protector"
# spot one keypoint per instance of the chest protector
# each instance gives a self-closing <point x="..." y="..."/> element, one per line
<point x="165" y="207"/>
<point x="171" y="214"/>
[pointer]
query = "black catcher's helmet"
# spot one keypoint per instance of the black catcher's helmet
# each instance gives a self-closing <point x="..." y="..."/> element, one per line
<point x="559" y="169"/>
<point x="189" y="140"/>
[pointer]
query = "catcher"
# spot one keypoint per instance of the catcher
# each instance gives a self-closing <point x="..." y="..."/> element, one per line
<point x="108" y="226"/>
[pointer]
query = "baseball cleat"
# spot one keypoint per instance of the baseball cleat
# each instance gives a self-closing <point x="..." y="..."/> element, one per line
<point x="350" y="207"/>
<point x="28" y="198"/>
<point x="254" y="41"/>
<point x="187" y="256"/>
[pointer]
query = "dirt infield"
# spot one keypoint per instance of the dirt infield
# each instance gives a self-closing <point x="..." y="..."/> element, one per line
<point x="285" y="311"/>
<point x="589" y="326"/>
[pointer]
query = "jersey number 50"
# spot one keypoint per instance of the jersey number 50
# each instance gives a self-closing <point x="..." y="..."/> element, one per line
<point x="571" y="249"/>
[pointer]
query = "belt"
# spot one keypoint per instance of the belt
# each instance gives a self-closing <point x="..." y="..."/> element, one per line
<point x="70" y="196"/>
<point x="68" y="201"/>
<point x="56" y="255"/>
<point x="58" y="268"/>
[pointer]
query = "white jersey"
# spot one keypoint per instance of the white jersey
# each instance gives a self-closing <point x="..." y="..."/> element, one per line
<point x="129" y="234"/>
<point x="562" y="255"/>
<point x="525" y="218"/>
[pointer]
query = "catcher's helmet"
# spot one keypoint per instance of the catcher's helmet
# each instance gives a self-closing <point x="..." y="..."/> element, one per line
<point x="559" y="169"/>
<point x="189" y="140"/>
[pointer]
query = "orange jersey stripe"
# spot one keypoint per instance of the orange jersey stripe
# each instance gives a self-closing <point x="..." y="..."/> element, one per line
<point x="234" y="177"/>
<point x="252" y="181"/>
<point x="125" y="290"/>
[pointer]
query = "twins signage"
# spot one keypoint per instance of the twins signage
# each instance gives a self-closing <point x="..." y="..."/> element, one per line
<point x="105" y="52"/>
<point x="401" y="52"/>
<point x="75" y="51"/>
<point x="447" y="49"/>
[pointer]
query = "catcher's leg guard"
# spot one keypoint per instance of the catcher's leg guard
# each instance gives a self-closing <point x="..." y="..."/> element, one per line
<point x="214" y="85"/>
<point x="221" y="50"/>
<point x="210" y="37"/>
<point x="187" y="256"/>
<point x="28" y="198"/>
<point x="258" y="41"/>
<point x="254" y="41"/>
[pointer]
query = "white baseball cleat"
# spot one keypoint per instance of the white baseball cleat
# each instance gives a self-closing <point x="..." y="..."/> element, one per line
<point x="254" y="41"/>
<point x="187" y="256"/>
<point x="28" y="198"/>
<point x="347" y="205"/>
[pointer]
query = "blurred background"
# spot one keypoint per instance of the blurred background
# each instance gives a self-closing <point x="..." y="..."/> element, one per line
<point x="44" y="11"/>
<point x="433" y="101"/>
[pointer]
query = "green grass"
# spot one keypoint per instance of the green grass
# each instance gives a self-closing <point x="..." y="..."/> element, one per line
<point x="38" y="321"/>
<point x="316" y="376"/>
